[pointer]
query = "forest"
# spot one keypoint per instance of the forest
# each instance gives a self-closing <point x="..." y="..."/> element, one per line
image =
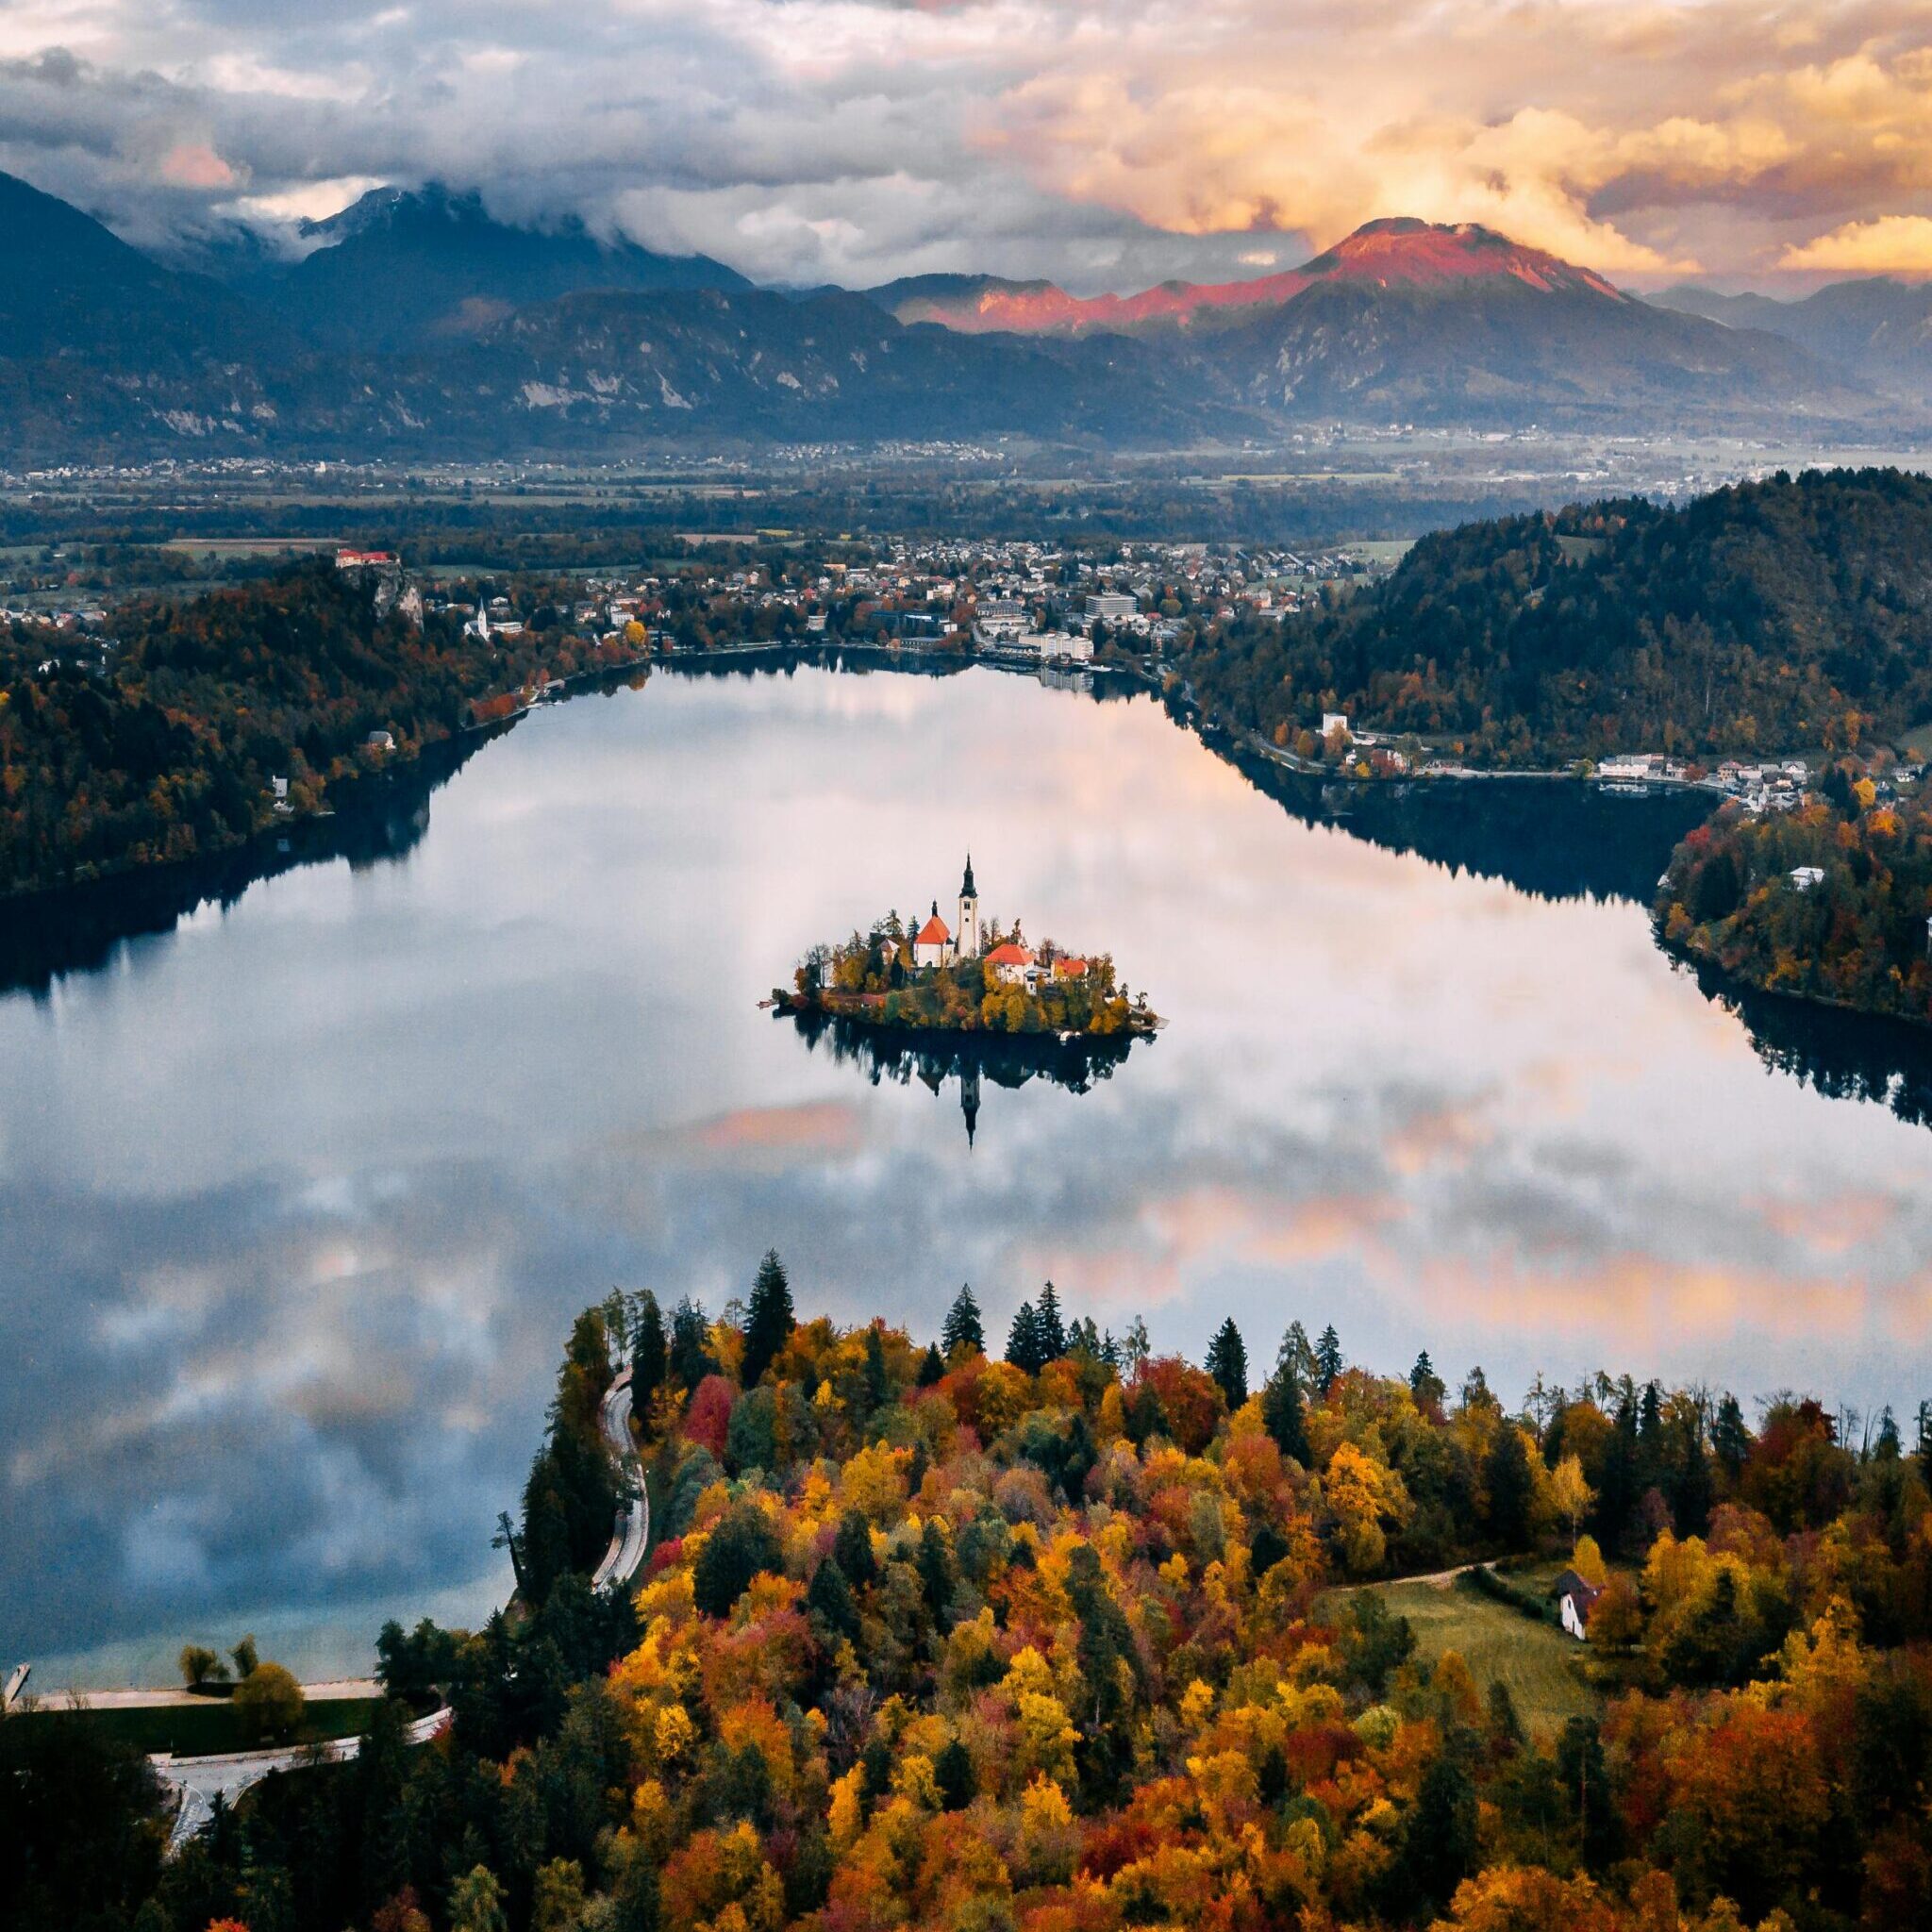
<point x="1769" y="616"/>
<point x="1829" y="901"/>
<point x="1075" y="1635"/>
<point x="162" y="745"/>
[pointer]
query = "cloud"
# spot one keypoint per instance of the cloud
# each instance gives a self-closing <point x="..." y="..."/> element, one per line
<point x="861" y="139"/>
<point x="1890" y="244"/>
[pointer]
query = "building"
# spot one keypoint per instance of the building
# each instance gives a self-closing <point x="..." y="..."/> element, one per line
<point x="933" y="945"/>
<point x="1111" y="605"/>
<point x="1333" y="722"/>
<point x="1806" y="877"/>
<point x="1575" y="1599"/>
<point x="1013" y="965"/>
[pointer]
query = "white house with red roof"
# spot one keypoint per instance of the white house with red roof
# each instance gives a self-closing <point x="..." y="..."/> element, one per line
<point x="934" y="945"/>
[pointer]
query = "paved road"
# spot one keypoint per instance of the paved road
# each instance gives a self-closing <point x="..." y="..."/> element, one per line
<point x="632" y="1535"/>
<point x="197" y="1781"/>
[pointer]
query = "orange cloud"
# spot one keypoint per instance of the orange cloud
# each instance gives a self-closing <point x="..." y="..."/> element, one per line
<point x="1890" y="244"/>
<point x="193" y="165"/>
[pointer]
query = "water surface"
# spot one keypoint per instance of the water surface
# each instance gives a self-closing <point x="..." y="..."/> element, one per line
<point x="298" y="1197"/>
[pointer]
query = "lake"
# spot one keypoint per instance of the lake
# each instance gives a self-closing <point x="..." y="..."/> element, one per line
<point x="299" y="1195"/>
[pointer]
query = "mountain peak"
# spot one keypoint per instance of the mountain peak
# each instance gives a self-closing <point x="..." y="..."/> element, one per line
<point x="1394" y="251"/>
<point x="1402" y="248"/>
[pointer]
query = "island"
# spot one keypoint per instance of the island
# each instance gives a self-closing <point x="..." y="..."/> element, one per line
<point x="975" y="977"/>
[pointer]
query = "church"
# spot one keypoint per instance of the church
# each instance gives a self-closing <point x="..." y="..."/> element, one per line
<point x="933" y="945"/>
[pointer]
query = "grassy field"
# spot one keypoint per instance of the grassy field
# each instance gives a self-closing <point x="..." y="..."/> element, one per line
<point x="199" y="1730"/>
<point x="1542" y="1666"/>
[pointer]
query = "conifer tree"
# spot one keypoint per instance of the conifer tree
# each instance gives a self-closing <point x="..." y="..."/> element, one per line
<point x="769" y="1321"/>
<point x="1730" y="1440"/>
<point x="1227" y="1362"/>
<point x="878" y="1385"/>
<point x="932" y="1366"/>
<point x="1425" y="1384"/>
<point x="1327" y="1360"/>
<point x="1025" y="1348"/>
<point x="963" y="1330"/>
<point x="649" y="1353"/>
<point x="1051" y="1327"/>
<point x="1284" y="1411"/>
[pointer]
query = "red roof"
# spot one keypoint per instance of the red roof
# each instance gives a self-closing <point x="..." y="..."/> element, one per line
<point x="1070" y="969"/>
<point x="933" y="933"/>
<point x="1009" y="955"/>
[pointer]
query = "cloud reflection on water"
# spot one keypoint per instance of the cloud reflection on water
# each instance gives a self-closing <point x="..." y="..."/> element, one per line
<point x="297" y="1209"/>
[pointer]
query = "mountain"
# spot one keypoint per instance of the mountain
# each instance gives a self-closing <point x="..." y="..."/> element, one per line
<point x="1511" y="352"/>
<point x="75" y="292"/>
<point x="1876" y="330"/>
<point x="1422" y="322"/>
<point x="419" y="324"/>
<point x="604" y="369"/>
<point x="1395" y="252"/>
<point x="400" y="268"/>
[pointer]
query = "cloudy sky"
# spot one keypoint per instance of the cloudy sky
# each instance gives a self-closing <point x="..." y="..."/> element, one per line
<point x="1109" y="146"/>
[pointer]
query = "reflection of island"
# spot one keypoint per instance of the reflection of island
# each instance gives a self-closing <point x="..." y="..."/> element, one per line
<point x="380" y="817"/>
<point x="974" y="1059"/>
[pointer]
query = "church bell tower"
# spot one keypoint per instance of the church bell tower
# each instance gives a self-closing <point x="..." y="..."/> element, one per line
<point x="969" y="914"/>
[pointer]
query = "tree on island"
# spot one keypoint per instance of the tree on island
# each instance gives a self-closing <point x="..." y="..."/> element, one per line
<point x="771" y="1321"/>
<point x="963" y="1328"/>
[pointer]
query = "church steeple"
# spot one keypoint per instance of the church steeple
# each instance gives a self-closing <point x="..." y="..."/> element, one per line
<point x="969" y="914"/>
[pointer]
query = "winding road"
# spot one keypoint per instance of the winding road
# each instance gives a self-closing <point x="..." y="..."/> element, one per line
<point x="632" y="1535"/>
<point x="197" y="1781"/>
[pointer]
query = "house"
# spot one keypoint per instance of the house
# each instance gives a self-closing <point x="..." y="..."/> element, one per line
<point x="1012" y="965"/>
<point x="1333" y="722"/>
<point x="932" y="945"/>
<point x="1806" y="877"/>
<point x="1064" y="967"/>
<point x="1575" y="1599"/>
<point x="365" y="559"/>
<point x="380" y="741"/>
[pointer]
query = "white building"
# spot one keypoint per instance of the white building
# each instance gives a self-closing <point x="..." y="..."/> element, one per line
<point x="933" y="945"/>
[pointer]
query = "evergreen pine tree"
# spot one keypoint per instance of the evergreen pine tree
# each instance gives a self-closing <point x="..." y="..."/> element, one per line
<point x="1025" y="1348"/>
<point x="1730" y="1440"/>
<point x="1425" y="1384"/>
<point x="1227" y="1363"/>
<point x="691" y="1344"/>
<point x="878" y="1385"/>
<point x="1284" y="1413"/>
<point x="1053" y="1329"/>
<point x="769" y="1321"/>
<point x="963" y="1330"/>
<point x="932" y="1366"/>
<point x="1507" y="1475"/>
<point x="1327" y="1360"/>
<point x="649" y="1354"/>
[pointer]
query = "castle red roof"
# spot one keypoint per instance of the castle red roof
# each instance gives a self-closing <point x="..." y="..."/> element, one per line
<point x="933" y="933"/>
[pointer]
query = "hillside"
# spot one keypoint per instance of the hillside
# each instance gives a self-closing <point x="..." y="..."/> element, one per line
<point x="169" y="754"/>
<point x="1878" y="330"/>
<point x="1768" y="616"/>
